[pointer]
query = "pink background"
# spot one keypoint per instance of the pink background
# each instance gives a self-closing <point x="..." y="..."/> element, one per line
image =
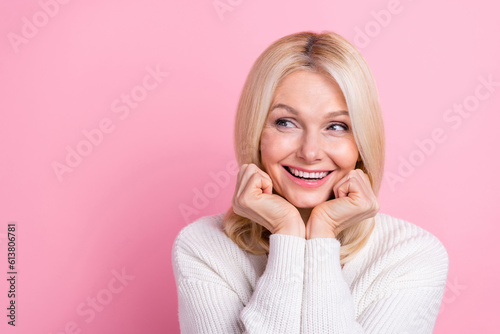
<point x="121" y="206"/>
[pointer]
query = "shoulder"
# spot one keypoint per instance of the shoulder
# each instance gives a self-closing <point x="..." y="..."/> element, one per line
<point x="408" y="249"/>
<point x="202" y="233"/>
<point x="202" y="248"/>
<point x="395" y="232"/>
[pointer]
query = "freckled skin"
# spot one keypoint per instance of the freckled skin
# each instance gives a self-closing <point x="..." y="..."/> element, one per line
<point x="307" y="140"/>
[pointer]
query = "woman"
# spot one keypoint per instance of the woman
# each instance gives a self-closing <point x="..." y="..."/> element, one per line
<point x="303" y="248"/>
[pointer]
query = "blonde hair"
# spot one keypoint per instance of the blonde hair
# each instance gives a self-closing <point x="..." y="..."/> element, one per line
<point x="329" y="54"/>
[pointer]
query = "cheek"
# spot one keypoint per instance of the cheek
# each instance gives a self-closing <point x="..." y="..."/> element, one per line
<point x="272" y="147"/>
<point x="346" y="154"/>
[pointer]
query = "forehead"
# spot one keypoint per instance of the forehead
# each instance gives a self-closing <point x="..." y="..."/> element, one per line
<point x="310" y="87"/>
<point x="294" y="111"/>
<point x="309" y="92"/>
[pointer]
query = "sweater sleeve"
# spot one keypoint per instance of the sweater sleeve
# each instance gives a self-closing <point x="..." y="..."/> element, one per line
<point x="403" y="298"/>
<point x="209" y="304"/>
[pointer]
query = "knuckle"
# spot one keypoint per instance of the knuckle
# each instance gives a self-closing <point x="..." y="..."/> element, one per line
<point x="255" y="177"/>
<point x="235" y="201"/>
<point x="375" y="206"/>
<point x="242" y="202"/>
<point x="236" y="208"/>
<point x="368" y="205"/>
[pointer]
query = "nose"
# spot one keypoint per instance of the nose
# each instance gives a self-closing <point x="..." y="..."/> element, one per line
<point x="311" y="147"/>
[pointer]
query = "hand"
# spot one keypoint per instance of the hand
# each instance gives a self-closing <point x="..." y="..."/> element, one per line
<point x="254" y="199"/>
<point x="354" y="201"/>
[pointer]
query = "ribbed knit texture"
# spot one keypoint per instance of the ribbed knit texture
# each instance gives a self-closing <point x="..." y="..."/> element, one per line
<point x="395" y="284"/>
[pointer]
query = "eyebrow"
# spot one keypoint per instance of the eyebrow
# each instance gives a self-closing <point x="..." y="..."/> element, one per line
<point x="295" y="112"/>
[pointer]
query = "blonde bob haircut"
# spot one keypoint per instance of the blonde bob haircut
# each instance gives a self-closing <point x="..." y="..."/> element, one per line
<point x="329" y="54"/>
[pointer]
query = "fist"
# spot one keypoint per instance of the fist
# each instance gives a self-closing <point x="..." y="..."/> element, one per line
<point x="354" y="201"/>
<point x="254" y="199"/>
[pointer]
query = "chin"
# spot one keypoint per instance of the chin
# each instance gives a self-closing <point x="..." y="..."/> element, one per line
<point x="307" y="203"/>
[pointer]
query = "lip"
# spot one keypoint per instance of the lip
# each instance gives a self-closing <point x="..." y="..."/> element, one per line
<point x="307" y="184"/>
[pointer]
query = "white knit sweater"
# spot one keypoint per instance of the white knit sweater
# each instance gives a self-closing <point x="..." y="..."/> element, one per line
<point x="393" y="285"/>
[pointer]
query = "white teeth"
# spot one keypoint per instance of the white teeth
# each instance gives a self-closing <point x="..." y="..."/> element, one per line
<point x="316" y="175"/>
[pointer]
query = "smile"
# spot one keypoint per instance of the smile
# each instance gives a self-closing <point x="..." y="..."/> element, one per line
<point x="307" y="179"/>
<point x="305" y="175"/>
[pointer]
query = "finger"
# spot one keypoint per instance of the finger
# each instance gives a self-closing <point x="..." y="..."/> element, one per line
<point x="369" y="181"/>
<point x="363" y="175"/>
<point x="264" y="183"/>
<point x="366" y="186"/>
<point x="253" y="169"/>
<point x="339" y="184"/>
<point x="256" y="185"/>
<point x="241" y="180"/>
<point x="351" y="186"/>
<point x="260" y="171"/>
<point x="364" y="180"/>
<point x="344" y="189"/>
<point x="246" y="172"/>
<point x="244" y="183"/>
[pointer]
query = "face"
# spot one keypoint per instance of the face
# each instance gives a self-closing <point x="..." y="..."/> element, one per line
<point x="307" y="130"/>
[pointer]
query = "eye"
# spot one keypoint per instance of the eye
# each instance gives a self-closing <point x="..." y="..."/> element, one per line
<point x="341" y="125"/>
<point x="281" y="121"/>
